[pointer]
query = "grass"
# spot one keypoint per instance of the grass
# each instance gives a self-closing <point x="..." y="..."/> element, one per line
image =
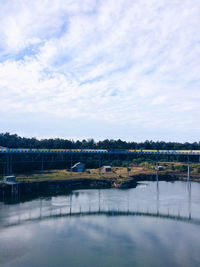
<point x="118" y="173"/>
<point x="66" y="175"/>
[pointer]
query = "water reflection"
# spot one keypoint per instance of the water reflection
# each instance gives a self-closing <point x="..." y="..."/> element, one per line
<point x="157" y="196"/>
<point x="155" y="224"/>
<point x="148" y="199"/>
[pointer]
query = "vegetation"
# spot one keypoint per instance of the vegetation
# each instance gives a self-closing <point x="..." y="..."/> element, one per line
<point x="29" y="163"/>
<point x="118" y="173"/>
<point x="15" y="141"/>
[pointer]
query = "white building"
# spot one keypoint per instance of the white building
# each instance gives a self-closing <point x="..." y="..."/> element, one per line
<point x="106" y="168"/>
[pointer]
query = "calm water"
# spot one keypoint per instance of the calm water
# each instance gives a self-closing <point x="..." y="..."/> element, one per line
<point x="150" y="225"/>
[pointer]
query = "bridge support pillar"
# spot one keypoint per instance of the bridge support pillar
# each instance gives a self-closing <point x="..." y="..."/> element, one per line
<point x="188" y="174"/>
<point x="71" y="163"/>
<point x="3" y="169"/>
<point x="99" y="166"/>
<point x="42" y="165"/>
<point x="8" y="165"/>
<point x="157" y="168"/>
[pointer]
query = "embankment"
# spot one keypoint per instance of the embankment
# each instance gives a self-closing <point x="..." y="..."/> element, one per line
<point x="56" y="186"/>
<point x="26" y="188"/>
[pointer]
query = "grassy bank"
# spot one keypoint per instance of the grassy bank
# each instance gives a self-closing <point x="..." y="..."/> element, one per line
<point x="117" y="173"/>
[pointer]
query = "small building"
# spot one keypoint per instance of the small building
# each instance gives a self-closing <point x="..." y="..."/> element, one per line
<point x="106" y="168"/>
<point x="160" y="168"/>
<point x="78" y="167"/>
<point x="10" y="182"/>
<point x="9" y="179"/>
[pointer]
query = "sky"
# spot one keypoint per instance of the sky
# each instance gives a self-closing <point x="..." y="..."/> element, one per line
<point x="116" y="69"/>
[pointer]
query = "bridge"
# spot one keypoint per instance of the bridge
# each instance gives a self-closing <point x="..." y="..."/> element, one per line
<point x="9" y="152"/>
<point x="98" y="151"/>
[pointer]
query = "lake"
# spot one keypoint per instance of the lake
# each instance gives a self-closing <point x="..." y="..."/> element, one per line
<point x="150" y="225"/>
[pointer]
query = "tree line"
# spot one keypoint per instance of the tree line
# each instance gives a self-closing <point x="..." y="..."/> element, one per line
<point x="15" y="141"/>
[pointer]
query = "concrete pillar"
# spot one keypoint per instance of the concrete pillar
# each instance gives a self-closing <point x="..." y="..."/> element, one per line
<point x="7" y="165"/>
<point x="81" y="156"/>
<point x="10" y="164"/>
<point x="71" y="164"/>
<point x="188" y="176"/>
<point x="99" y="166"/>
<point x="4" y="169"/>
<point x="157" y="168"/>
<point x="42" y="164"/>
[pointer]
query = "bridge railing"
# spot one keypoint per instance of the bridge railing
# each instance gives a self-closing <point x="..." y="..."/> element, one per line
<point x="99" y="151"/>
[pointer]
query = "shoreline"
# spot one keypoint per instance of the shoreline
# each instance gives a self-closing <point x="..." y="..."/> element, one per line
<point x="27" y="188"/>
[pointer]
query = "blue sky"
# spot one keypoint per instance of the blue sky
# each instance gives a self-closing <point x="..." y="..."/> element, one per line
<point x="104" y="69"/>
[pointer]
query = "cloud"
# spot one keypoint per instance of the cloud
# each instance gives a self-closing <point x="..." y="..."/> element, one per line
<point x="131" y="63"/>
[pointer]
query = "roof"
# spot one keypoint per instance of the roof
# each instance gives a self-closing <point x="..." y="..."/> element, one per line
<point x="78" y="164"/>
<point x="107" y="166"/>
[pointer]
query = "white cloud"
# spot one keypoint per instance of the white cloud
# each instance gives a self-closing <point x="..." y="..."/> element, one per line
<point x="134" y="63"/>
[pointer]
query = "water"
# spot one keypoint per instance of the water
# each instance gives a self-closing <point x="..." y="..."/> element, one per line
<point x="150" y="225"/>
